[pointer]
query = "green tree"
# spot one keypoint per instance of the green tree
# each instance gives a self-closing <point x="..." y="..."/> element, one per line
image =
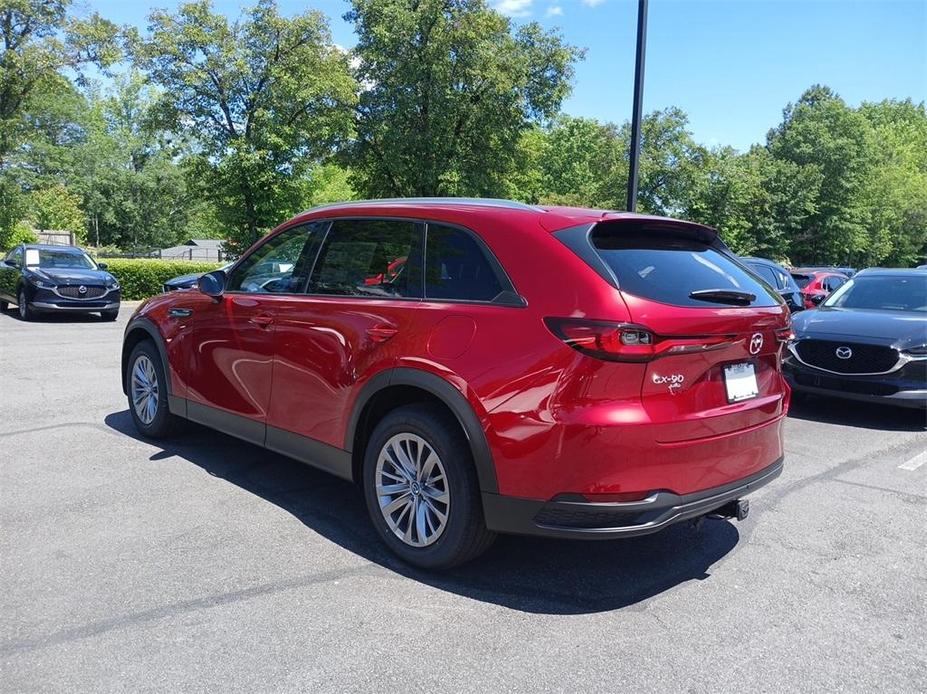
<point x="672" y="164"/>
<point x="581" y="162"/>
<point x="754" y="200"/>
<point x="266" y="96"/>
<point x="449" y="89"/>
<point x="831" y="142"/>
<point x="126" y="170"/>
<point x="37" y="41"/>
<point x="897" y="188"/>
<point x="328" y="183"/>
<point x="57" y="208"/>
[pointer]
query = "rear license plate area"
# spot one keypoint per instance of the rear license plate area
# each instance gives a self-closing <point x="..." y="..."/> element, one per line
<point x="740" y="381"/>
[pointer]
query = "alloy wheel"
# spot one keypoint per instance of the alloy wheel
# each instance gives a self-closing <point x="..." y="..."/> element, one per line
<point x="144" y="389"/>
<point x="412" y="489"/>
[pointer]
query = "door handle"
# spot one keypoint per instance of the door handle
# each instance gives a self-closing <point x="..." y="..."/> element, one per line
<point x="180" y="312"/>
<point x="381" y="333"/>
<point x="262" y="321"/>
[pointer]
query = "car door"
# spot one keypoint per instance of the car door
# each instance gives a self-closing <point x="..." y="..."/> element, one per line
<point x="233" y="335"/>
<point x="357" y="316"/>
<point x="10" y="270"/>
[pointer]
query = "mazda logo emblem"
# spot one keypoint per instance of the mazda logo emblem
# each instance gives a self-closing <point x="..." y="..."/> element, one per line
<point x="82" y="289"/>
<point x="756" y="343"/>
<point x="844" y="352"/>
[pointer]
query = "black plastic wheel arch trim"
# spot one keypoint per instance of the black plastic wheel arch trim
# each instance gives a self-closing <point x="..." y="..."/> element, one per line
<point x="147" y="326"/>
<point x="446" y="393"/>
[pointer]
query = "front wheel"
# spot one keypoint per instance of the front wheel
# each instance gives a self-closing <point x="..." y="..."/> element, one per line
<point x="109" y="315"/>
<point x="147" y="388"/>
<point x="25" y="313"/>
<point x="422" y="491"/>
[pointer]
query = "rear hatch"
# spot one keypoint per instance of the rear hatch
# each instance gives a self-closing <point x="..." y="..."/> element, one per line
<point x="717" y="330"/>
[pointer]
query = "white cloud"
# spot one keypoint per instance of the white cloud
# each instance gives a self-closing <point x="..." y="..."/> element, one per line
<point x="514" y="8"/>
<point x="554" y="11"/>
<point x="592" y="3"/>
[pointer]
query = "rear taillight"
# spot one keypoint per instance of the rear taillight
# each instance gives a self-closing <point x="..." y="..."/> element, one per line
<point x="604" y="340"/>
<point x="628" y="342"/>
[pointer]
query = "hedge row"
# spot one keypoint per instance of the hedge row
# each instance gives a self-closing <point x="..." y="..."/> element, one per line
<point x="144" y="277"/>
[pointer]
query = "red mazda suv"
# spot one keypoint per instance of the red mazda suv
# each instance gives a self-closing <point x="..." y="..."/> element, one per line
<point x="483" y="366"/>
<point x="817" y="285"/>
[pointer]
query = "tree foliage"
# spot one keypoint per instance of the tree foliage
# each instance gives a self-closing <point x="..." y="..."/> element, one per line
<point x="449" y="90"/>
<point x="266" y="97"/>
<point x="57" y="208"/>
<point x="37" y="41"/>
<point x="222" y="128"/>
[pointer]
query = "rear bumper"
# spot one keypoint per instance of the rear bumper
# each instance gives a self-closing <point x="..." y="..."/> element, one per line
<point x="603" y="521"/>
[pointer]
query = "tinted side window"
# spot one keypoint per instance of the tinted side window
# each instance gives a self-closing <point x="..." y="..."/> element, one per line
<point x="281" y="265"/>
<point x="456" y="267"/>
<point x="17" y="256"/>
<point x="370" y="257"/>
<point x="766" y="273"/>
<point x="668" y="267"/>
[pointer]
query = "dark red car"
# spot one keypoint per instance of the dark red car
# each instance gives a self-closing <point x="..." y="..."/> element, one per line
<point x="544" y="371"/>
<point x="817" y="285"/>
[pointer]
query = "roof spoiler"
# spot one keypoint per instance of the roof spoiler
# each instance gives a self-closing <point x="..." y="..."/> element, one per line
<point x="616" y="220"/>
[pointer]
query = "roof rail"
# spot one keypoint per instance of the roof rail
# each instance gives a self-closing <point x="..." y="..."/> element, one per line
<point x="473" y="202"/>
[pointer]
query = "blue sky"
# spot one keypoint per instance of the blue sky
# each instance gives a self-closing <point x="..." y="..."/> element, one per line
<point x="731" y="65"/>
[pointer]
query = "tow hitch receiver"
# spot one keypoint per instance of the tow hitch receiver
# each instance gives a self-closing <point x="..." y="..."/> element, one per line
<point x="738" y="508"/>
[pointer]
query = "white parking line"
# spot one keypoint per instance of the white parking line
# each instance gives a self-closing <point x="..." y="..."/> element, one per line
<point x="915" y="462"/>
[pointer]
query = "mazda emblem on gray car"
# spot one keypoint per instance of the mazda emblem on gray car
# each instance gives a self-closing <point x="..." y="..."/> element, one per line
<point x="844" y="352"/>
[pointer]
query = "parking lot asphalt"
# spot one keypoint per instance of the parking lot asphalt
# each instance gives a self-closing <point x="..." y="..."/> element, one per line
<point x="207" y="564"/>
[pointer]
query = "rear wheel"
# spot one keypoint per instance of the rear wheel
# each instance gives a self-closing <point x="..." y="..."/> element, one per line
<point x="147" y="388"/>
<point x="25" y="313"/>
<point x="422" y="491"/>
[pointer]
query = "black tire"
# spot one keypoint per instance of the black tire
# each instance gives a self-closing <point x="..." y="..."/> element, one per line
<point x="25" y="313"/>
<point x="465" y="535"/>
<point x="163" y="424"/>
<point x="3" y="306"/>
<point x="109" y="315"/>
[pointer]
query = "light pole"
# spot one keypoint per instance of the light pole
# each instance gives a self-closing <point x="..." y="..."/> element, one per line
<point x="638" y="97"/>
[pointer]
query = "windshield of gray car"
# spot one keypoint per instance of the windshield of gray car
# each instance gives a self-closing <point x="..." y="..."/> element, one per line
<point x="882" y="293"/>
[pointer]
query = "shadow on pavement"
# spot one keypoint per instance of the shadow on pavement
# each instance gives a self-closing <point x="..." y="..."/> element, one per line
<point x="528" y="574"/>
<point x="858" y="414"/>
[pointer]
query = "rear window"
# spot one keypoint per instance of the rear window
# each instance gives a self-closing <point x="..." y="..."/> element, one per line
<point x="767" y="274"/>
<point x="802" y="280"/>
<point x="669" y="267"/>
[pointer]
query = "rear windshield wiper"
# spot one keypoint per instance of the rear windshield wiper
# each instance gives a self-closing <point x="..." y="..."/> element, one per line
<point x="724" y="296"/>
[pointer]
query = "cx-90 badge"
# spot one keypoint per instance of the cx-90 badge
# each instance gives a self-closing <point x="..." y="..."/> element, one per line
<point x="673" y="382"/>
<point x="756" y="343"/>
<point x="844" y="352"/>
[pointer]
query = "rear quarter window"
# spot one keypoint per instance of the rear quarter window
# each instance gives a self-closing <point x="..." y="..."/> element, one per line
<point x="668" y="267"/>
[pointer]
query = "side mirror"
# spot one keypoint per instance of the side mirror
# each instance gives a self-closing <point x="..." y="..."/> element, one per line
<point x="102" y="266"/>
<point x="212" y="283"/>
<point x="11" y="263"/>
